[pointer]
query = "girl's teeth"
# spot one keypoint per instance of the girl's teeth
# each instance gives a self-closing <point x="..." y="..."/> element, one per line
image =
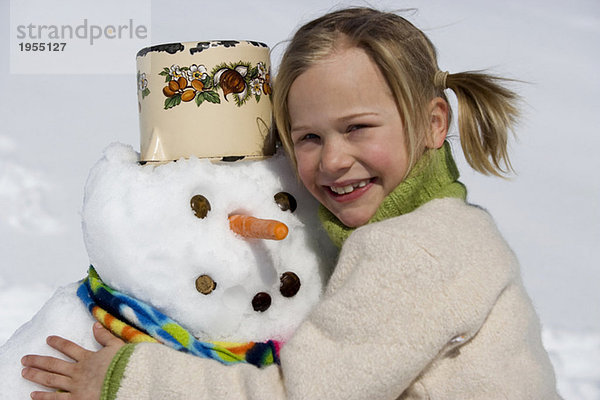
<point x="349" y="188"/>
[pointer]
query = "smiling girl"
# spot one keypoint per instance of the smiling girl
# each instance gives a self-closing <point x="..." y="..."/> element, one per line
<point x="426" y="301"/>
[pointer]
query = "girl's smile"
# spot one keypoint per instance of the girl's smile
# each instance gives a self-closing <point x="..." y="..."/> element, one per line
<point x="348" y="135"/>
<point x="350" y="191"/>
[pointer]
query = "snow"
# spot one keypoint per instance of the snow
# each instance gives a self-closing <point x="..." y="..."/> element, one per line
<point x="575" y="357"/>
<point x="549" y="213"/>
<point x="19" y="304"/>
<point x="22" y="191"/>
<point x="145" y="240"/>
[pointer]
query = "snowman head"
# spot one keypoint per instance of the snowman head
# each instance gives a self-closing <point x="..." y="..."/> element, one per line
<point x="164" y="235"/>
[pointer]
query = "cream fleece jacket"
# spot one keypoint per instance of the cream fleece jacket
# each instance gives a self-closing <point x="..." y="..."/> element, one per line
<point x="427" y="305"/>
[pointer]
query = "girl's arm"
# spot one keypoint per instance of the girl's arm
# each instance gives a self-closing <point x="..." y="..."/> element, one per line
<point x="154" y="371"/>
<point x="395" y="303"/>
<point x="392" y="307"/>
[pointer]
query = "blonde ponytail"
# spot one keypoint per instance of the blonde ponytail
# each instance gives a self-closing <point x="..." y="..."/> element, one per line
<point x="487" y="111"/>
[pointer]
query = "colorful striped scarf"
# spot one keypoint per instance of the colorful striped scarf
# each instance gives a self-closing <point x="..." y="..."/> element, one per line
<point x="136" y="322"/>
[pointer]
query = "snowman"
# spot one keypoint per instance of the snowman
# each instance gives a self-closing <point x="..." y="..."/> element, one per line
<point x="204" y="241"/>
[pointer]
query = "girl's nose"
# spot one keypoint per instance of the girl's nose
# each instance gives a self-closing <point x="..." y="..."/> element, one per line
<point x="335" y="157"/>
<point x="256" y="228"/>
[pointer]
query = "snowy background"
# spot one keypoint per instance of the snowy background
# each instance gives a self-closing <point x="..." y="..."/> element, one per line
<point x="54" y="127"/>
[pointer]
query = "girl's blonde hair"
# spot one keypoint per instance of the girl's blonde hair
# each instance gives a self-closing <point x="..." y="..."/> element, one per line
<point x="408" y="61"/>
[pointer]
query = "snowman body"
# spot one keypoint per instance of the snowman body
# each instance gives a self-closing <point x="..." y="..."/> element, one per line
<point x="148" y="237"/>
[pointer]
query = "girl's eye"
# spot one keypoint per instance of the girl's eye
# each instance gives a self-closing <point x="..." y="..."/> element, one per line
<point x="309" y="136"/>
<point x="355" y="127"/>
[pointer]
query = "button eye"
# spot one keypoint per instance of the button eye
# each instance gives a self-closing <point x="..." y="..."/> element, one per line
<point x="290" y="284"/>
<point x="200" y="205"/>
<point x="205" y="284"/>
<point x="261" y="302"/>
<point x="286" y="201"/>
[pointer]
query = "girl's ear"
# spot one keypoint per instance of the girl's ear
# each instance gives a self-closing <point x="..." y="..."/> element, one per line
<point x="438" y="111"/>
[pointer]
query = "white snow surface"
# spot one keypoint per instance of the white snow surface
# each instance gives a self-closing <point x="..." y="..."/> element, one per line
<point x="576" y="360"/>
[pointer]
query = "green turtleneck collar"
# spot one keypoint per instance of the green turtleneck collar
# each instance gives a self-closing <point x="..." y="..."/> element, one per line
<point x="434" y="176"/>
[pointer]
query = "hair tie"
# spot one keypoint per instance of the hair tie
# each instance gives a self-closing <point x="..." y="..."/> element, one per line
<point x="439" y="79"/>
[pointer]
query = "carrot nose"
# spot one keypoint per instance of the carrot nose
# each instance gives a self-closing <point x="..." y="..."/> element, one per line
<point x="251" y="227"/>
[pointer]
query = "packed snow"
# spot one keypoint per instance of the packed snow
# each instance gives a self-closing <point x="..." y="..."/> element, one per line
<point x="148" y="237"/>
<point x="144" y="239"/>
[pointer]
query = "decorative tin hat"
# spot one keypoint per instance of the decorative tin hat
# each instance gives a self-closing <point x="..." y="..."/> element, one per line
<point x="205" y="99"/>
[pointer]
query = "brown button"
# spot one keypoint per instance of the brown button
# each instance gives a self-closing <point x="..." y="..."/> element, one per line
<point x="286" y="201"/>
<point x="261" y="302"/>
<point x="200" y="205"/>
<point x="205" y="284"/>
<point x="290" y="284"/>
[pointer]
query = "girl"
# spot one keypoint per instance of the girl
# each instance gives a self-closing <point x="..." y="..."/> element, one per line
<point x="426" y="301"/>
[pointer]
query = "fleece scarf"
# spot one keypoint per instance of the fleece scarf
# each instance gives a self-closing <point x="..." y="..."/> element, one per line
<point x="136" y="322"/>
<point x="434" y="176"/>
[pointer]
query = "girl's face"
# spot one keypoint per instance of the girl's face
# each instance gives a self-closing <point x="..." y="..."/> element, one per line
<point x="348" y="135"/>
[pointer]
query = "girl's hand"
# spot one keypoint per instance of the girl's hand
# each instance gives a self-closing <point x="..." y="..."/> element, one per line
<point x="79" y="380"/>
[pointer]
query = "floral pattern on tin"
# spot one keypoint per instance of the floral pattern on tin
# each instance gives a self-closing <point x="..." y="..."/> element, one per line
<point x="238" y="81"/>
<point x="142" y="84"/>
